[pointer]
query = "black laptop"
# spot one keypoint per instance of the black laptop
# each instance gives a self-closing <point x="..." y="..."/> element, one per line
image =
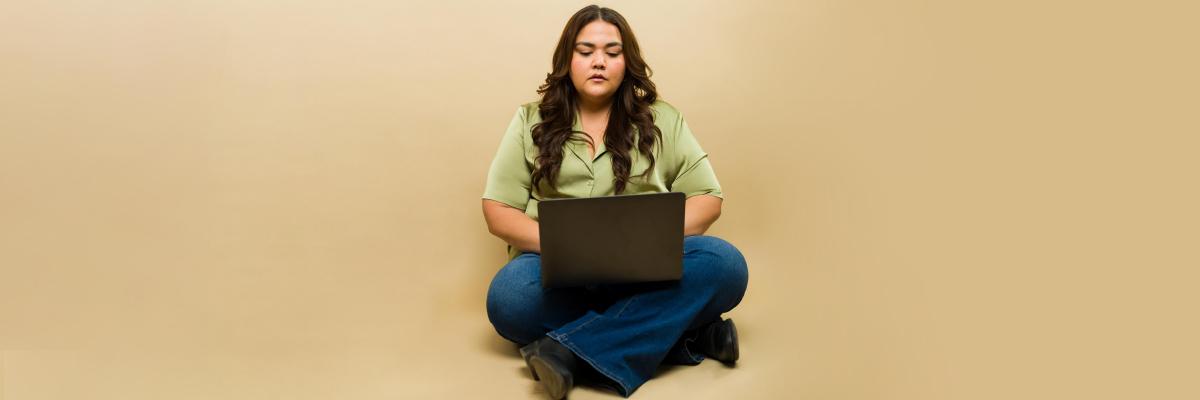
<point x="611" y="239"/>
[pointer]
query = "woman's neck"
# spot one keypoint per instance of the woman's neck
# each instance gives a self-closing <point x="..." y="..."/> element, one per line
<point x="594" y="108"/>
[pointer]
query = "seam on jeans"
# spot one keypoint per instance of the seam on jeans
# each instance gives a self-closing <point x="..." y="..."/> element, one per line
<point x="571" y="345"/>
<point x="562" y="338"/>
<point x="630" y="300"/>
<point x="622" y="310"/>
<point x="585" y="323"/>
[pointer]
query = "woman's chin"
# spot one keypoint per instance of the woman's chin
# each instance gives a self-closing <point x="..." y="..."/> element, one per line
<point x="597" y="95"/>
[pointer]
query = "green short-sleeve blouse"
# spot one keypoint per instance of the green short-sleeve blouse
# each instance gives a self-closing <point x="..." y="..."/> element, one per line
<point x="680" y="164"/>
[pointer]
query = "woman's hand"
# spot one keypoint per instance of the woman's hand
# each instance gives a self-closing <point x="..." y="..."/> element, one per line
<point x="520" y="231"/>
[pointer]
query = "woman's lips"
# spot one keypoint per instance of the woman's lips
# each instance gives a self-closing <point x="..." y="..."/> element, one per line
<point x="597" y="79"/>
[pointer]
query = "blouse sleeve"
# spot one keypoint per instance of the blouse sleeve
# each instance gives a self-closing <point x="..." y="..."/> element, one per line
<point x="508" y="179"/>
<point x="696" y="176"/>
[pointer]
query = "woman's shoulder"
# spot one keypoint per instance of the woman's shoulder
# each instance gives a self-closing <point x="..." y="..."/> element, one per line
<point x="529" y="110"/>
<point x="665" y="113"/>
<point x="661" y="105"/>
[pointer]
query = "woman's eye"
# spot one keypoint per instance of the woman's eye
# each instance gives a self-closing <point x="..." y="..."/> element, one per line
<point x="588" y="53"/>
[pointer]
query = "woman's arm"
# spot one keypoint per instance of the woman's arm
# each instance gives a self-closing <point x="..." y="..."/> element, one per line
<point x="520" y="231"/>
<point x="699" y="213"/>
<point x="512" y="225"/>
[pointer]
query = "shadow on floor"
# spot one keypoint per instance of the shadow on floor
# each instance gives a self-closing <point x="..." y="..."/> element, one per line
<point x="498" y="345"/>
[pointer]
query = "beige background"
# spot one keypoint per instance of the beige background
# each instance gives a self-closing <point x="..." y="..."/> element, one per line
<point x="937" y="199"/>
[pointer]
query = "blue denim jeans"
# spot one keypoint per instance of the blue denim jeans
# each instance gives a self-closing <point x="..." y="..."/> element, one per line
<point x="623" y="331"/>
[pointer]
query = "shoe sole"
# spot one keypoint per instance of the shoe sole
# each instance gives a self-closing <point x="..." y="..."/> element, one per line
<point x="529" y="365"/>
<point x="557" y="380"/>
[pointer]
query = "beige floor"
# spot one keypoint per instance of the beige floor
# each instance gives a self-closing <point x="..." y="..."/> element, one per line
<point x="339" y="341"/>
<point x="302" y="327"/>
<point x="296" y="325"/>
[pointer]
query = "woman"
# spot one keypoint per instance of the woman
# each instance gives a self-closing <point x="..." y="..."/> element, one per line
<point x="599" y="130"/>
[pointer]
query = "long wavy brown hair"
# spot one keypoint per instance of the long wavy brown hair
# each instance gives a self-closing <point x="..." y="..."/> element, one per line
<point x="630" y="110"/>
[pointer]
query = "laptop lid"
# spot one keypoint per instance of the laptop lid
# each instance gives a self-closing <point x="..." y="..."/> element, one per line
<point x="611" y="239"/>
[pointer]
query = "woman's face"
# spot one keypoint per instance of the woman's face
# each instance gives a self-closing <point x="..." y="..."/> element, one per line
<point x="597" y="64"/>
